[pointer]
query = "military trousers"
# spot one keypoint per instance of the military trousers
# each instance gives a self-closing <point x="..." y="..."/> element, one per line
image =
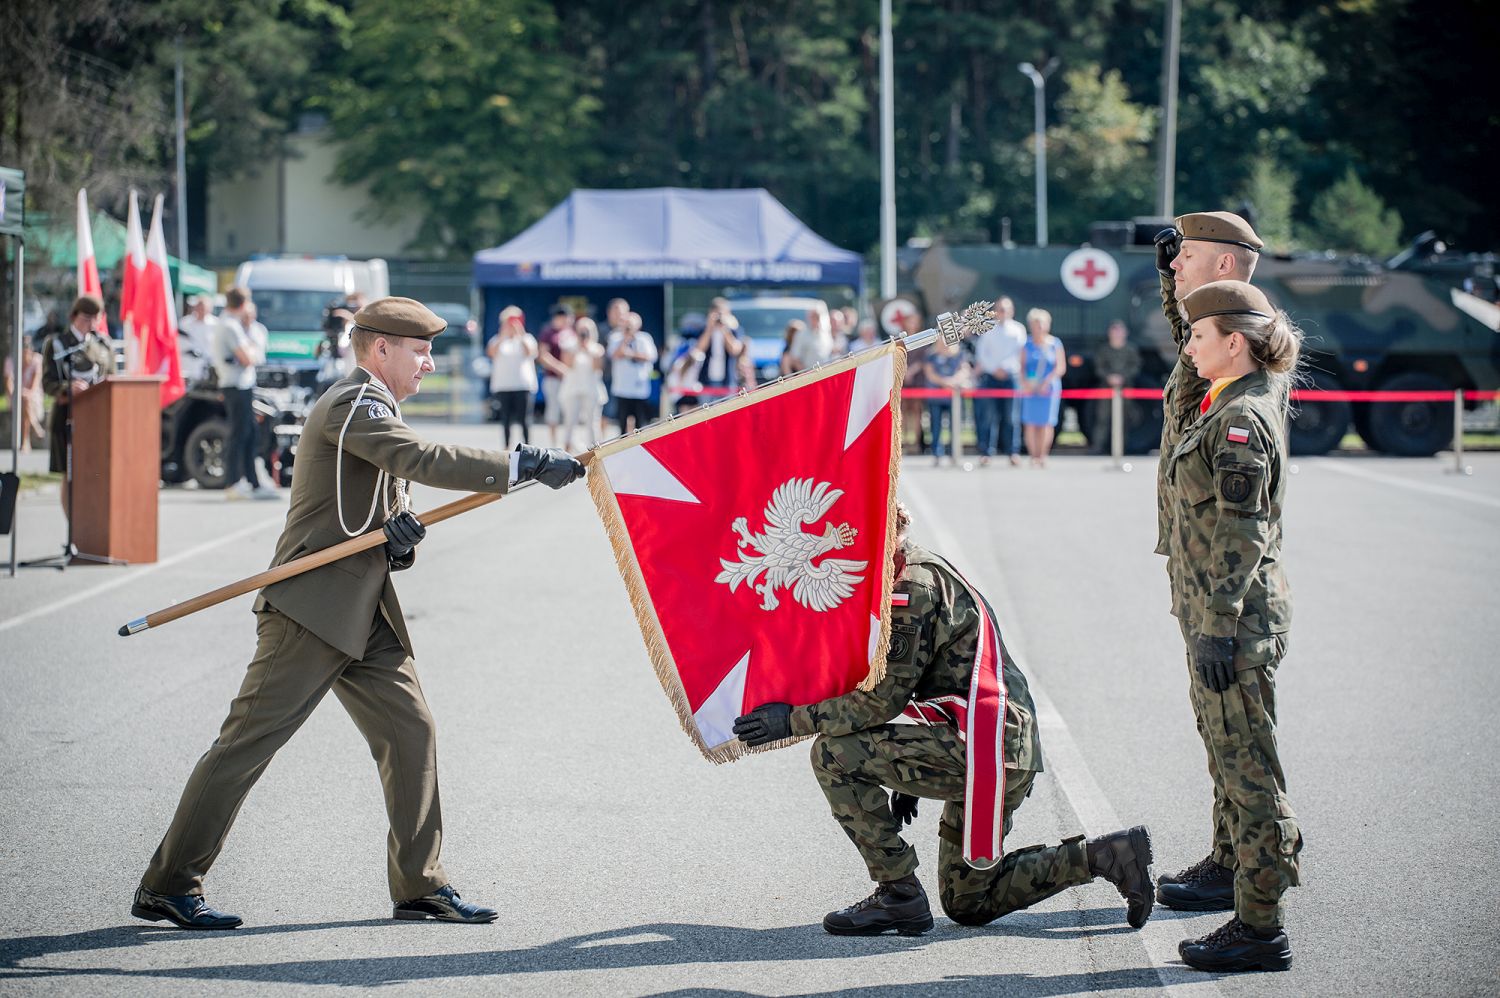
<point x="1255" y="830"/>
<point x="854" y="771"/>
<point x="291" y="672"/>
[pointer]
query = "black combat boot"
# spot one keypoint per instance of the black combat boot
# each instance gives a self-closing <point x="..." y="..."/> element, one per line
<point x="1204" y="886"/>
<point x="1235" y="946"/>
<point x="1124" y="859"/>
<point x="896" y="904"/>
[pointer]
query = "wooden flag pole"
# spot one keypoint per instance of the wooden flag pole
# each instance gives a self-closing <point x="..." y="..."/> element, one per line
<point x="950" y="326"/>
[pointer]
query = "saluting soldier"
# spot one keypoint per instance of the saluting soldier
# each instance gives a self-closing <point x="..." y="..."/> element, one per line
<point x="339" y="627"/>
<point x="943" y="635"/>
<point x="72" y="361"/>
<point x="1224" y="484"/>
<point x="1199" y="248"/>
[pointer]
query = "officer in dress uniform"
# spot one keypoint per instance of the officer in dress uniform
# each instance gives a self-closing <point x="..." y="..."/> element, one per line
<point x="939" y="624"/>
<point x="339" y="627"/>
<point x="1224" y="485"/>
<point x="1199" y="248"/>
<point x="72" y="361"/>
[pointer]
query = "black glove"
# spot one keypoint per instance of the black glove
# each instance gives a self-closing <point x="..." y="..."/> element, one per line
<point x="903" y="807"/>
<point x="552" y="467"/>
<point x="1214" y="660"/>
<point x="402" y="533"/>
<point x="770" y="722"/>
<point x="1168" y="242"/>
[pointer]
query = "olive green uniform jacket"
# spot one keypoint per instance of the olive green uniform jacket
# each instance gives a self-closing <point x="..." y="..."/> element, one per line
<point x="1179" y="402"/>
<point x="94" y="362"/>
<point x="338" y="601"/>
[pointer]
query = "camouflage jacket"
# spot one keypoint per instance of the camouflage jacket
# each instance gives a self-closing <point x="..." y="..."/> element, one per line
<point x="1123" y="361"/>
<point x="1179" y="403"/>
<point x="931" y="655"/>
<point x="1225" y="481"/>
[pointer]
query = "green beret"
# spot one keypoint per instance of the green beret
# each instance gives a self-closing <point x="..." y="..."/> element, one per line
<point x="1219" y="227"/>
<point x="1227" y="298"/>
<point x="399" y="317"/>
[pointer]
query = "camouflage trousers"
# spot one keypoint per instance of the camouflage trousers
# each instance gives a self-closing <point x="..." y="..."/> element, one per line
<point x="854" y="771"/>
<point x="1255" y="830"/>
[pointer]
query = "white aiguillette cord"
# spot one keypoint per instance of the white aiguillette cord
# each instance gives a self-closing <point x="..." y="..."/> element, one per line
<point x="403" y="497"/>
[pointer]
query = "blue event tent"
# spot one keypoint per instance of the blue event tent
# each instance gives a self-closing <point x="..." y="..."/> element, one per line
<point x="639" y="243"/>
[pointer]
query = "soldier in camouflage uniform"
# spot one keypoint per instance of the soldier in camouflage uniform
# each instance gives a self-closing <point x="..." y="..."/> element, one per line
<point x="1199" y="248"/>
<point x="1223" y="486"/>
<point x="935" y="627"/>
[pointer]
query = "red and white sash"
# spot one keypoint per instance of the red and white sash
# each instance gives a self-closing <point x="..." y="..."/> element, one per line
<point x="980" y="721"/>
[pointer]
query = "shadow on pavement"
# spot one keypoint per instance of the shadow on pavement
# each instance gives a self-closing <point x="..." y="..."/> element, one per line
<point x="650" y="945"/>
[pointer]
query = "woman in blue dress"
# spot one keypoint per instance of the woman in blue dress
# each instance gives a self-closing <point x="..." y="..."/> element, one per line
<point x="1042" y="365"/>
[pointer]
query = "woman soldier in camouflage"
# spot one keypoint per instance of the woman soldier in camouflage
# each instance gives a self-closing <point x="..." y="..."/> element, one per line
<point x="1224" y="483"/>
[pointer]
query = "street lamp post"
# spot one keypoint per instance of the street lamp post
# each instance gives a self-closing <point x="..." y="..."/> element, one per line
<point x="1039" y="84"/>
<point x="887" y="156"/>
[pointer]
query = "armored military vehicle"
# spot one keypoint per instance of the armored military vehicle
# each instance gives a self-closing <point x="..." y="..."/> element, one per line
<point x="1368" y="326"/>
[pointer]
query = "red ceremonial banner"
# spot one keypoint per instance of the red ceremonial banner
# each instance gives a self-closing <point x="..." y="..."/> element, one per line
<point x="754" y="538"/>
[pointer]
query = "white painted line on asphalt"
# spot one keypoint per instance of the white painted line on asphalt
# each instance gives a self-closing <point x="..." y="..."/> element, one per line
<point x="1343" y="467"/>
<point x="1064" y="758"/>
<point x="131" y="575"/>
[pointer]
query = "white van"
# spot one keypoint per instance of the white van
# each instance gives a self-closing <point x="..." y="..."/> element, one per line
<point x="290" y="294"/>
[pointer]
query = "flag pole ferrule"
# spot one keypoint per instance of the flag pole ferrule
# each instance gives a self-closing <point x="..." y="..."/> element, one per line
<point x="134" y="627"/>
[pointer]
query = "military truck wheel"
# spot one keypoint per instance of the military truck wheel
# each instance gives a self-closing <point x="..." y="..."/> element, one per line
<point x="1411" y="429"/>
<point x="1319" y="424"/>
<point x="204" y="453"/>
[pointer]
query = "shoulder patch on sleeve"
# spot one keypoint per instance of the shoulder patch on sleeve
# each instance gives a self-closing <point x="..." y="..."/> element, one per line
<point x="377" y="409"/>
<point x="1236" y="434"/>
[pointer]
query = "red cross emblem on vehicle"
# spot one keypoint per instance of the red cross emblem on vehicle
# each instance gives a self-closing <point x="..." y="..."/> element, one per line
<point x="1090" y="274"/>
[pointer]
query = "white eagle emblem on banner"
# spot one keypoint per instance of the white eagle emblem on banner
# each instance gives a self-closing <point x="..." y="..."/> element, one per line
<point x="783" y="555"/>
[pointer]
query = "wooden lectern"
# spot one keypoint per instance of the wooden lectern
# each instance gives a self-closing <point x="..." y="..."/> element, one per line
<point x="117" y="468"/>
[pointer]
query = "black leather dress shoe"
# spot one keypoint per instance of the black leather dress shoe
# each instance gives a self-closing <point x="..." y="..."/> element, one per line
<point x="445" y="905"/>
<point x="899" y="905"/>
<point x="1235" y="946"/>
<point x="186" y="911"/>
<point x="1204" y="886"/>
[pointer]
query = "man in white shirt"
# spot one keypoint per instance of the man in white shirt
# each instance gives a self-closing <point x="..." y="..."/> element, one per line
<point x="632" y="362"/>
<point x="240" y="344"/>
<point x="195" y="340"/>
<point x="997" y="355"/>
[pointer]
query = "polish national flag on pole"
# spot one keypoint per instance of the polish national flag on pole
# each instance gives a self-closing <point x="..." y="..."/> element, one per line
<point x="88" y="266"/>
<point x="156" y="312"/>
<point x="133" y="268"/>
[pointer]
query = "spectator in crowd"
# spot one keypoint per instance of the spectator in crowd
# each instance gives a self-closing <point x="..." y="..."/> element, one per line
<point x="851" y="324"/>
<point x="582" y="383"/>
<point x="617" y="319"/>
<point x="513" y="356"/>
<point x="195" y="339"/>
<point x="812" y="345"/>
<point x="31" y="399"/>
<point x="790" y="335"/>
<point x="916" y="377"/>
<point x="559" y="325"/>
<point x="838" y="331"/>
<point x="1042" y="365"/>
<point x="997" y="356"/>
<point x="633" y="360"/>
<point x="719" y="347"/>
<point x="240" y="345"/>
<point x="1116" y="364"/>
<point x="868" y="337"/>
<point x="946" y="369"/>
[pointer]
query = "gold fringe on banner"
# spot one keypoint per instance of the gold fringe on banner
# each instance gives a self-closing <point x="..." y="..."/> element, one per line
<point x="602" y="491"/>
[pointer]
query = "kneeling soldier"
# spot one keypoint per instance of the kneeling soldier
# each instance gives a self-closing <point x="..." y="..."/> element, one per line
<point x="946" y="669"/>
<point x="339" y="628"/>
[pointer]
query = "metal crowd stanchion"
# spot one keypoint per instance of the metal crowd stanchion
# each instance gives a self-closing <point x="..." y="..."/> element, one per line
<point x="1117" y="460"/>
<point x="1459" y="468"/>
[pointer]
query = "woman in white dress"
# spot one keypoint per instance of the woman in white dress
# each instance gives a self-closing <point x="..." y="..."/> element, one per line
<point x="581" y="393"/>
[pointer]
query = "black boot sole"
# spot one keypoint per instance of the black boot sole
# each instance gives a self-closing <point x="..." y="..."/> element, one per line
<point x="152" y="915"/>
<point x="1275" y="963"/>
<point x="1140" y="841"/>
<point x="1207" y="904"/>
<point x="906" y="927"/>
<point x="422" y="916"/>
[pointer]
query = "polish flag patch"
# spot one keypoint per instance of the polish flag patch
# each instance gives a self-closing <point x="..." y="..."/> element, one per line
<point x="1237" y="435"/>
<point x="900" y="599"/>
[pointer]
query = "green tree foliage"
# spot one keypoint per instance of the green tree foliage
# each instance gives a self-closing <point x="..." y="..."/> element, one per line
<point x="1100" y="161"/>
<point x="1270" y="191"/>
<point x="463" y="109"/>
<point x="1351" y="217"/>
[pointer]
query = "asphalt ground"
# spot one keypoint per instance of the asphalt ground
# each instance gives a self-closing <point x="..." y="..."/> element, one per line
<point x="624" y="864"/>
